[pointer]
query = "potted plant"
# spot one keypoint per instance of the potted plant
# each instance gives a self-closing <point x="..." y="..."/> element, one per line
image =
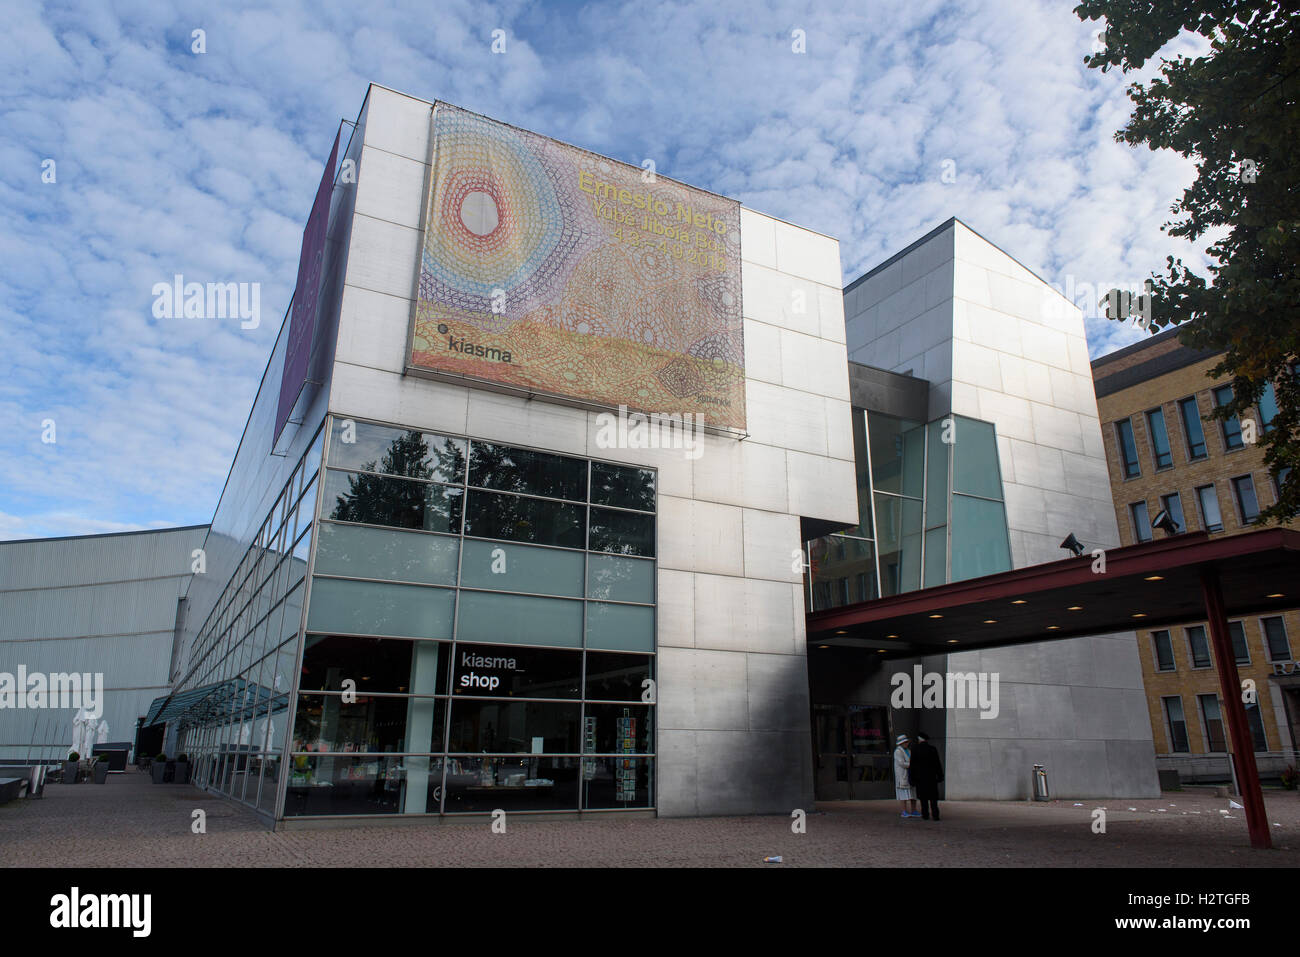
<point x="70" y="768"/>
<point x="159" y="767"/>
<point x="100" y="768"/>
<point x="182" y="768"/>
<point x="1290" y="777"/>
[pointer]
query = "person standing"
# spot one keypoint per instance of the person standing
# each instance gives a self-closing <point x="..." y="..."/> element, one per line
<point x="903" y="789"/>
<point x="925" y="774"/>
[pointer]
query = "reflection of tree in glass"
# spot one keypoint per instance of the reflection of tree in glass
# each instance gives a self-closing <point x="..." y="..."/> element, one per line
<point x="629" y="488"/>
<point x="380" y="500"/>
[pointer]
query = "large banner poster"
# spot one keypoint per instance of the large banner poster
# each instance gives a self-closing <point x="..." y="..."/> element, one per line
<point x="557" y="271"/>
<point x="306" y="296"/>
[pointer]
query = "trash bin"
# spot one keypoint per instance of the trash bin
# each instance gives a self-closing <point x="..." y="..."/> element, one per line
<point x="1040" y="783"/>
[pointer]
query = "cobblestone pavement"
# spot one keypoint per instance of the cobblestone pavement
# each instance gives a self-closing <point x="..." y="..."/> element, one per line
<point x="130" y="822"/>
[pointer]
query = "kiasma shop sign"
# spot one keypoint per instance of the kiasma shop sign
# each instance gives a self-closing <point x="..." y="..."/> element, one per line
<point x="553" y="271"/>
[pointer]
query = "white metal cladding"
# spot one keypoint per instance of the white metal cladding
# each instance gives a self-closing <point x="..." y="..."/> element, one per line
<point x="98" y="605"/>
<point x="122" y="608"/>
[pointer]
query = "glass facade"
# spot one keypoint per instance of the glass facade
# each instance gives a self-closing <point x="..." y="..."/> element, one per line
<point x="480" y="633"/>
<point x="931" y="511"/>
<point x="240" y="677"/>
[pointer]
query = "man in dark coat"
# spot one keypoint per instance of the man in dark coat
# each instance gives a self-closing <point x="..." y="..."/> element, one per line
<point x="926" y="773"/>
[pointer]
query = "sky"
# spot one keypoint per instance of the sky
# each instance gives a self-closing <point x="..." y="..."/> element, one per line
<point x="893" y="118"/>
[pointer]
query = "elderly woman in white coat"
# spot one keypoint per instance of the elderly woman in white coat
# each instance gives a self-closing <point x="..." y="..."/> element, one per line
<point x="903" y="789"/>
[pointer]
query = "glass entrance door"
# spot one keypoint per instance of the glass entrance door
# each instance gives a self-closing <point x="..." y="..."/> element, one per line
<point x="852" y="756"/>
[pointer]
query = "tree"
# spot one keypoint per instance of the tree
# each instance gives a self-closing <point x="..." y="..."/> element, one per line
<point x="1235" y="112"/>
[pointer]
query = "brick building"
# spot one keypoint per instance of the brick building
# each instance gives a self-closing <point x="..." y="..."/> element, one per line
<point x="1164" y="453"/>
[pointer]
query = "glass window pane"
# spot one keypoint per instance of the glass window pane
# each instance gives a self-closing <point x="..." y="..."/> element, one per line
<point x="1191" y="415"/>
<point x="325" y="722"/>
<point x="350" y="784"/>
<point x="518" y="619"/>
<point x="620" y="579"/>
<point x="1279" y="648"/>
<point x="399" y="503"/>
<point x="897" y="454"/>
<point x="622" y="486"/>
<point x="1215" y="739"/>
<point x="898" y="523"/>
<point x="1244" y="489"/>
<point x="518" y="519"/>
<point x="1164" y="651"/>
<point x="1176" y="725"/>
<point x="522" y="470"/>
<point x="523" y="568"/>
<point x="1173" y="504"/>
<point x="405" y="452"/>
<point x="615" y="677"/>
<point x="623" y="532"/>
<point x="514" y="727"/>
<point x="861" y="465"/>
<point x="1239" y="647"/>
<point x="620" y="627"/>
<point x="936" y="556"/>
<point x="617" y="729"/>
<point x="1210" y="508"/>
<point x="979" y="538"/>
<point x="1231" y="426"/>
<point x="617" y="782"/>
<point x="1255" y="721"/>
<point x="372" y="608"/>
<point x="936" y="476"/>
<point x="975" y="459"/>
<point x="482" y="785"/>
<point x="507" y="672"/>
<point x="375" y="664"/>
<point x="1199" y="645"/>
<point x="1141" y="521"/>
<point x="1159" y="439"/>
<point x="1267" y="408"/>
<point x="1127" y="449"/>
<point x="833" y="559"/>
<point x="360" y="552"/>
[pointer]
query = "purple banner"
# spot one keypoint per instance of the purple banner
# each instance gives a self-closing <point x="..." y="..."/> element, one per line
<point x="306" y="297"/>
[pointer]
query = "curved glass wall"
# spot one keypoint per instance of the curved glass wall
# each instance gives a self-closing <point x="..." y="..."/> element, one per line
<point x="480" y="633"/>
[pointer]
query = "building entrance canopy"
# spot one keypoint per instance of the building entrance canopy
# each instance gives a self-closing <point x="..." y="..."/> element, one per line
<point x="1142" y="586"/>
<point x="1185" y="578"/>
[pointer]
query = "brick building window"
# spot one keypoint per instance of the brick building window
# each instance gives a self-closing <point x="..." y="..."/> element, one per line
<point x="1198" y="646"/>
<point x="1175" y="725"/>
<point x="1209" y="502"/>
<point x="1275" y="640"/>
<point x="1159" y="435"/>
<point x="1230" y="427"/>
<point x="1192" y="431"/>
<point x="1164" y="649"/>
<point x="1128" y="453"/>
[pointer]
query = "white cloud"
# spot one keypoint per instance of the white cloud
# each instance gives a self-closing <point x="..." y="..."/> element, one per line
<point x="205" y="165"/>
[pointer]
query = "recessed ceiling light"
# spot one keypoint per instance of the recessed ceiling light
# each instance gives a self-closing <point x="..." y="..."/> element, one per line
<point x="990" y="621"/>
<point x="891" y="636"/>
<point x="936" y="616"/>
<point x="823" y="646"/>
<point x="841" y="632"/>
<point x="880" y="650"/>
<point x="952" y="641"/>
<point x="1154" y="578"/>
<point x="1075" y="608"/>
<point x="1053" y="627"/>
<point x="1140" y="614"/>
<point x="1276" y="594"/>
<point x="1018" y="601"/>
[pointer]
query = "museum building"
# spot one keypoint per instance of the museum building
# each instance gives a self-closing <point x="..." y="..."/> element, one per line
<point x="550" y="463"/>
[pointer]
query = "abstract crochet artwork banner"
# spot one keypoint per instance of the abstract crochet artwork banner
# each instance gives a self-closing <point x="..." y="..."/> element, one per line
<point x="557" y="271"/>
